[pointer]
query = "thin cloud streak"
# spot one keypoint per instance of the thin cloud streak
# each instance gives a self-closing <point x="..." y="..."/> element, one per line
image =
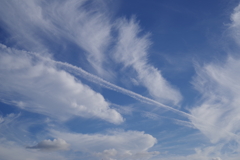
<point x="95" y="79"/>
<point x="217" y="115"/>
<point x="131" y="51"/>
<point x="37" y="86"/>
<point x="90" y="77"/>
<point x="91" y="30"/>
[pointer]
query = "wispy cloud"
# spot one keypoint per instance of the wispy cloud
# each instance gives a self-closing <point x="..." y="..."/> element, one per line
<point x="217" y="115"/>
<point x="80" y="72"/>
<point x="89" y="29"/>
<point x="132" y="51"/>
<point x="92" y="31"/>
<point x="55" y="22"/>
<point x="35" y="80"/>
<point x="207" y="153"/>
<point x="42" y="88"/>
<point x="115" y="144"/>
<point x="22" y="20"/>
<point x="234" y="26"/>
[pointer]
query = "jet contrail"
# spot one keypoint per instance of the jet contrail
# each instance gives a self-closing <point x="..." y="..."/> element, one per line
<point x="90" y="77"/>
<point x="95" y="79"/>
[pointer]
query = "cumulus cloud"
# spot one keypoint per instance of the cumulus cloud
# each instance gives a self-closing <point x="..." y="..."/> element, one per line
<point x="114" y="145"/>
<point x="218" y="114"/>
<point x="42" y="88"/>
<point x="132" y="51"/>
<point x="51" y="145"/>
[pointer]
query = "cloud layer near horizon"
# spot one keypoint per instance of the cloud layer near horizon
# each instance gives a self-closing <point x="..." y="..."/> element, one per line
<point x="115" y="144"/>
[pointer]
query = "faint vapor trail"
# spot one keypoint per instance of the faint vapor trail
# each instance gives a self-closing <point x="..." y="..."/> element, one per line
<point x="90" y="77"/>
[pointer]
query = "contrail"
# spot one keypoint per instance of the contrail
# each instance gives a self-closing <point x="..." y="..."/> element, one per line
<point x="95" y="79"/>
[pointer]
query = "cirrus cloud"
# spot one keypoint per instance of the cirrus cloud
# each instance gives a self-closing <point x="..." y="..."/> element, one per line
<point x="40" y="87"/>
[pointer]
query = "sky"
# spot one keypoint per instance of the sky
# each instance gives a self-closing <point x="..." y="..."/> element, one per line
<point x="119" y="80"/>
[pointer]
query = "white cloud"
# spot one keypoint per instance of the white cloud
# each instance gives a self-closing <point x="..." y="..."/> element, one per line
<point x="235" y="25"/>
<point x="6" y="126"/>
<point x="22" y="20"/>
<point x="91" y="29"/>
<point x="51" y="145"/>
<point x="14" y="151"/>
<point x="218" y="114"/>
<point x="106" y="154"/>
<point x="114" y="145"/>
<point x="88" y="28"/>
<point x="40" y="87"/>
<point x="95" y="79"/>
<point x="131" y="51"/>
<point x="1" y="119"/>
<point x="31" y="23"/>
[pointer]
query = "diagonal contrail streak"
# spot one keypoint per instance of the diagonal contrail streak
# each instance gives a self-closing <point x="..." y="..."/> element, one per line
<point x="95" y="79"/>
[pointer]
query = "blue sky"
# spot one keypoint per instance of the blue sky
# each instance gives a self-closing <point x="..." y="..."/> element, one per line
<point x="119" y="80"/>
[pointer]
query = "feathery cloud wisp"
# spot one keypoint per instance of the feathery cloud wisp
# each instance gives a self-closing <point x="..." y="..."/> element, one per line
<point x="219" y="111"/>
<point x="40" y="87"/>
<point x="132" y="51"/>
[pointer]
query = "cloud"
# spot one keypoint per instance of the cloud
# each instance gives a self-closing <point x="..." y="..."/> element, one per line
<point x="51" y="145"/>
<point x="40" y="87"/>
<point x="131" y="51"/>
<point x="34" y="23"/>
<point x="56" y="22"/>
<point x="1" y="119"/>
<point x="16" y="134"/>
<point x="89" y="28"/>
<point x="12" y="150"/>
<point x="77" y="71"/>
<point x="218" y="114"/>
<point x="24" y="23"/>
<point x="113" y="145"/>
<point x="92" y="31"/>
<point x="38" y="84"/>
<point x="235" y="24"/>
